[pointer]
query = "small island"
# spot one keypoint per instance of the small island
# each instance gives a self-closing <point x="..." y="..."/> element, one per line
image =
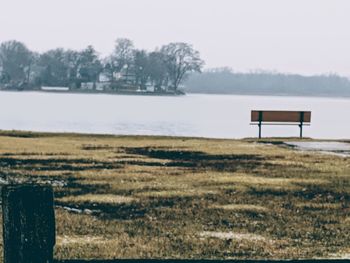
<point x="126" y="71"/>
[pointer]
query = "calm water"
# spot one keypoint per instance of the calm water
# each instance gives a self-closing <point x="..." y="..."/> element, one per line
<point x="215" y="116"/>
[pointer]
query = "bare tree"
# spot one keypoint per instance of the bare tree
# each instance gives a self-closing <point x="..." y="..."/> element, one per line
<point x="181" y="59"/>
<point x="123" y="54"/>
<point x="141" y="68"/>
<point x="90" y="65"/>
<point x="54" y="68"/>
<point x="157" y="69"/>
<point x="15" y="62"/>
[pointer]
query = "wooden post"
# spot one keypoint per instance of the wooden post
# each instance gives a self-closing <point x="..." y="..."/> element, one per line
<point x="28" y="223"/>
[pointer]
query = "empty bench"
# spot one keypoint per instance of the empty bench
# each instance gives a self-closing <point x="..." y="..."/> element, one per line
<point x="261" y="117"/>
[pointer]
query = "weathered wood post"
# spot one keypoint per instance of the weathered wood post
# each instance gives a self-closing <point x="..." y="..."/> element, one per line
<point x="28" y="223"/>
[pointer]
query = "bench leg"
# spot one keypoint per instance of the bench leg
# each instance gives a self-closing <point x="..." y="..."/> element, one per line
<point x="259" y="130"/>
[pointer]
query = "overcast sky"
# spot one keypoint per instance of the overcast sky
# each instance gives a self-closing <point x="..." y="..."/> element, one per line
<point x="295" y="36"/>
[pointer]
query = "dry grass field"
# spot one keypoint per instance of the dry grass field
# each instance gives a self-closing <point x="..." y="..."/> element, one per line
<point x="162" y="197"/>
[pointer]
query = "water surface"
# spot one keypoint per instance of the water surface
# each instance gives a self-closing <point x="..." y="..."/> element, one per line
<point x="213" y="116"/>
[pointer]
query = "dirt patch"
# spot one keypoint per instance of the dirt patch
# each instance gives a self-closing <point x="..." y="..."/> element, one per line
<point x="52" y="164"/>
<point x="93" y="147"/>
<point x="199" y="160"/>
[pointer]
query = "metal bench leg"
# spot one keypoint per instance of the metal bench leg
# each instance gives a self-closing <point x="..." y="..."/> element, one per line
<point x="260" y="120"/>
<point x="259" y="130"/>
<point x="301" y="124"/>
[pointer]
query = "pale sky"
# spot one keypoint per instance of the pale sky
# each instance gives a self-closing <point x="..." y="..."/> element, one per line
<point x="295" y="36"/>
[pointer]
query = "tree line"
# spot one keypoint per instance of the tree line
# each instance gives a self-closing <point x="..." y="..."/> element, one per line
<point x="226" y="81"/>
<point x="164" y="68"/>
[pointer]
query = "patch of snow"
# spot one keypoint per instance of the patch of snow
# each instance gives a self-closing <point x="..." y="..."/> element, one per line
<point x="330" y="147"/>
<point x="80" y="211"/>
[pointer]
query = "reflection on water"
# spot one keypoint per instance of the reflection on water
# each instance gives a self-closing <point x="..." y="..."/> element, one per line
<point x="215" y="116"/>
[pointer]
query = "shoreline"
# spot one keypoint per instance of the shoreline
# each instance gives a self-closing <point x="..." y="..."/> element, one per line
<point x="182" y="93"/>
<point x="147" y="93"/>
<point x="275" y="95"/>
<point x="265" y="140"/>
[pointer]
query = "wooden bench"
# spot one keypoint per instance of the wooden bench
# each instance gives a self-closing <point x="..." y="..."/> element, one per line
<point x="300" y="118"/>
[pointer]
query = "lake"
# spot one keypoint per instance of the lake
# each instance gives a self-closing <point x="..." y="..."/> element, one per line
<point x="213" y="116"/>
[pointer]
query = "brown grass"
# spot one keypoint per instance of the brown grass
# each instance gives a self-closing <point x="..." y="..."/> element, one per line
<point x="152" y="197"/>
<point x="242" y="208"/>
<point x="98" y="199"/>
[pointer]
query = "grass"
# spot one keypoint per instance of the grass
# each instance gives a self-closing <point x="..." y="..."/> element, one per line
<point x="243" y="208"/>
<point x="163" y="197"/>
<point x="101" y="199"/>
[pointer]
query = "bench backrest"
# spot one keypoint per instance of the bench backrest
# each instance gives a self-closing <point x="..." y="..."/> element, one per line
<point x="281" y="116"/>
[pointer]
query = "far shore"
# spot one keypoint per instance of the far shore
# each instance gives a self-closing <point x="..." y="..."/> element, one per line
<point x="143" y="93"/>
<point x="180" y="93"/>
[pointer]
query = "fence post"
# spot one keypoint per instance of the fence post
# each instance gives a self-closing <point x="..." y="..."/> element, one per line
<point x="28" y="223"/>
